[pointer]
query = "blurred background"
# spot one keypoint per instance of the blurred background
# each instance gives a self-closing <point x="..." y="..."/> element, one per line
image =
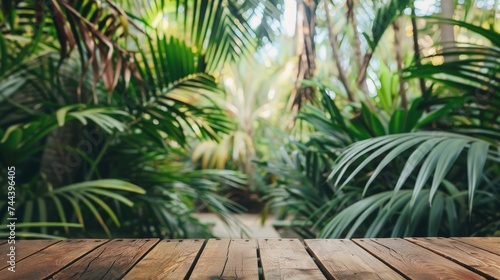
<point x="201" y="118"/>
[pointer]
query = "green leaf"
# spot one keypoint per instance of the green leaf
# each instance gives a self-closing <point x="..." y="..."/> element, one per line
<point x="104" y="206"/>
<point x="104" y="184"/>
<point x="395" y="152"/>
<point x="62" y="112"/>
<point x="60" y="211"/>
<point x="95" y="212"/>
<point x="414" y="160"/>
<point x="372" y="121"/>
<point x="384" y="16"/>
<point x="45" y="224"/>
<point x="476" y="159"/>
<point x="397" y="123"/>
<point x="446" y="160"/>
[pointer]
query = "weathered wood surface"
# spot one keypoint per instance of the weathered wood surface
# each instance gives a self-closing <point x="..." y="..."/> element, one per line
<point x="170" y="259"/>
<point x="287" y="259"/>
<point x="414" y="261"/>
<point x="491" y="244"/>
<point x="51" y="259"/>
<point x="110" y="261"/>
<point x="227" y="259"/>
<point x="390" y="258"/>
<point x="478" y="260"/>
<point x="23" y="249"/>
<point x="343" y="259"/>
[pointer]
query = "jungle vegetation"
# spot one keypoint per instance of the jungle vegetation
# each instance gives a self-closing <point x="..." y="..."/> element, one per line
<point x="345" y="118"/>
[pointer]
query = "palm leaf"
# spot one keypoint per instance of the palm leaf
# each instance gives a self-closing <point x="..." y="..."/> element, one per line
<point x="377" y="216"/>
<point x="439" y="150"/>
<point x="384" y="16"/>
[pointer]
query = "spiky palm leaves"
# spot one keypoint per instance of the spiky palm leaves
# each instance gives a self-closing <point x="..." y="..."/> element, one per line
<point x="153" y="91"/>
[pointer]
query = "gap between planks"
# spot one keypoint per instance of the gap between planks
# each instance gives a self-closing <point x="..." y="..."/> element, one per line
<point x="195" y="261"/>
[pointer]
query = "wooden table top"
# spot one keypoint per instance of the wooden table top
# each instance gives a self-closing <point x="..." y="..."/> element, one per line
<point x="387" y="258"/>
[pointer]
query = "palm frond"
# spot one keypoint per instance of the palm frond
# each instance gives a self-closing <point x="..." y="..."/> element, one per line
<point x="93" y="28"/>
<point x="376" y="215"/>
<point x="384" y="16"/>
<point x="435" y="152"/>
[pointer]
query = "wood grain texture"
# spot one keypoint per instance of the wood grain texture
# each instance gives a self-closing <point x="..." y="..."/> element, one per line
<point x="227" y="259"/>
<point x="476" y="259"/>
<point x="343" y="259"/>
<point x="24" y="249"/>
<point x="491" y="244"/>
<point x="414" y="261"/>
<point x="169" y="259"/>
<point x="287" y="259"/>
<point x="110" y="261"/>
<point x="52" y="259"/>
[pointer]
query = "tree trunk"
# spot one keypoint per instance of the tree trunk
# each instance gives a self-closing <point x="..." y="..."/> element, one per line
<point x="447" y="33"/>
<point x="336" y="55"/>
<point x="306" y="22"/>
<point x="399" y="61"/>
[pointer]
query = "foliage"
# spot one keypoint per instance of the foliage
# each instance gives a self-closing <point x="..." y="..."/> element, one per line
<point x="436" y="152"/>
<point x="151" y="88"/>
<point x="351" y="179"/>
<point x="102" y="104"/>
<point x="254" y="100"/>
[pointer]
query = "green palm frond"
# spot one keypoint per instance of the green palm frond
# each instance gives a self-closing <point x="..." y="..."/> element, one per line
<point x="376" y="215"/>
<point x="20" y="141"/>
<point x="101" y="116"/>
<point x="179" y="92"/>
<point x="75" y="198"/>
<point x="384" y="16"/>
<point x="218" y="30"/>
<point x="94" y="29"/>
<point x="434" y="152"/>
<point x="90" y="194"/>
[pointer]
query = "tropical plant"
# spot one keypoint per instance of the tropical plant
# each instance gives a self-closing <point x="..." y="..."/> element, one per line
<point x="148" y="84"/>
<point x="302" y="188"/>
<point x="450" y="133"/>
<point x="469" y="87"/>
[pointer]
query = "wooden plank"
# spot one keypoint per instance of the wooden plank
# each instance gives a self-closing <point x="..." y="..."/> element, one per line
<point x="491" y="244"/>
<point x="110" y="261"/>
<point x="227" y="259"/>
<point x="169" y="259"/>
<point x="23" y="249"/>
<point x="343" y="259"/>
<point x="287" y="259"/>
<point x="478" y="260"/>
<point x="414" y="261"/>
<point x="53" y="258"/>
